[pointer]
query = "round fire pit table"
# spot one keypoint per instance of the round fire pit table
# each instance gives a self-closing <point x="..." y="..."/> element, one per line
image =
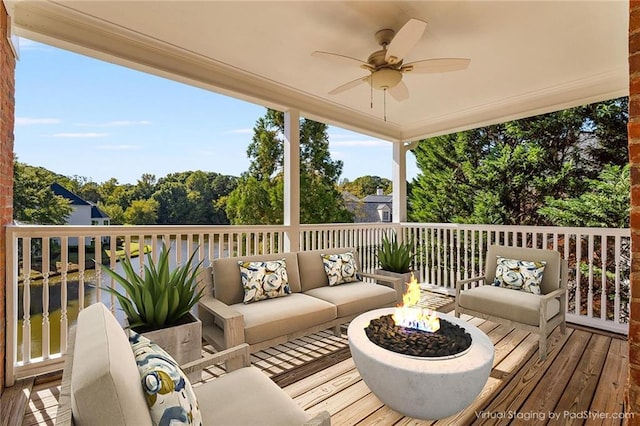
<point x="422" y="388"/>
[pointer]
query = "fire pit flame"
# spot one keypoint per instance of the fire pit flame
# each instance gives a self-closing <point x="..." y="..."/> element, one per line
<point x="410" y="315"/>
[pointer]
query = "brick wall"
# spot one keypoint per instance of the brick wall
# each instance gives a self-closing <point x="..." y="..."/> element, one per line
<point x="633" y="384"/>
<point x="7" y="103"/>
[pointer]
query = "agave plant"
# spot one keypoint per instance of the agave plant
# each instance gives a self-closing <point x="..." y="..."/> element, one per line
<point x="160" y="298"/>
<point x="395" y="256"/>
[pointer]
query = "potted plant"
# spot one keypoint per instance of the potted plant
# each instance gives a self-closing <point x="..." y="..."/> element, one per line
<point x="158" y="303"/>
<point x="395" y="258"/>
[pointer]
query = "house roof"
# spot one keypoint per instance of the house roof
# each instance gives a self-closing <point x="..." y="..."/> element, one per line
<point x="76" y="200"/>
<point x="378" y="199"/>
<point x="64" y="192"/>
<point x="527" y="57"/>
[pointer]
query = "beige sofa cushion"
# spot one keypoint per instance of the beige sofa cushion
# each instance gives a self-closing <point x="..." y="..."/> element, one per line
<point x="312" y="273"/>
<point x="271" y="318"/>
<point x="105" y="383"/>
<point x="355" y="298"/>
<point x="227" y="284"/>
<point x="505" y="303"/>
<point x="250" y="391"/>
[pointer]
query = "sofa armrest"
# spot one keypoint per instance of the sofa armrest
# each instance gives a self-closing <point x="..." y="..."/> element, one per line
<point x="212" y="311"/>
<point x="323" y="418"/>
<point x="240" y="351"/>
<point x="398" y="283"/>
<point x="460" y="283"/>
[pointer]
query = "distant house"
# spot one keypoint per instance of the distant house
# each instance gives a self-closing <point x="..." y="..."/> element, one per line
<point x="371" y="209"/>
<point x="83" y="212"/>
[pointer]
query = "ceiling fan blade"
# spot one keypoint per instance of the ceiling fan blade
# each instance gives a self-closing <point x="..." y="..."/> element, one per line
<point x="436" y="65"/>
<point x="350" y="85"/>
<point x="404" y="40"/>
<point x="342" y="59"/>
<point x="399" y="92"/>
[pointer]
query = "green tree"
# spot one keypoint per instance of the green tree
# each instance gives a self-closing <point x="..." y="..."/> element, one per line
<point x="258" y="197"/>
<point x="33" y="198"/>
<point x="605" y="204"/>
<point x="366" y="185"/>
<point x="142" y="212"/>
<point x="503" y="174"/>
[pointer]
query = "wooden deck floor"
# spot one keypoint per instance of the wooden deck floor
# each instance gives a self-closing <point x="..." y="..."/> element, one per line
<point x="582" y="378"/>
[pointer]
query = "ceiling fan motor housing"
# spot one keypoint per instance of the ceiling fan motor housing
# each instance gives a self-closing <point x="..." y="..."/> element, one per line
<point x="385" y="78"/>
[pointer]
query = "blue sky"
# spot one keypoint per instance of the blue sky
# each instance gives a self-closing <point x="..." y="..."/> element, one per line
<point x="79" y="116"/>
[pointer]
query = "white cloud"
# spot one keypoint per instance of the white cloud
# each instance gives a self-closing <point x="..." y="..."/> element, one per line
<point x="117" y="123"/>
<point x="242" y="131"/>
<point x="27" y="121"/>
<point x="79" y="135"/>
<point x="119" y="147"/>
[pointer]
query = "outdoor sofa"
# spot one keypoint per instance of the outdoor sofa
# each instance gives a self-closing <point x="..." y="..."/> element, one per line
<point x="313" y="305"/>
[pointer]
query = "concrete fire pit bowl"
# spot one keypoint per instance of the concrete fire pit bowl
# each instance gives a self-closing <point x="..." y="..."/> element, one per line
<point x="422" y="388"/>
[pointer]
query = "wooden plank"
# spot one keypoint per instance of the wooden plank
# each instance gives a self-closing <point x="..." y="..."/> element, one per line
<point x="578" y="394"/>
<point x="357" y="411"/>
<point x="383" y="417"/>
<point x="547" y="393"/>
<point x="14" y="402"/>
<point x="519" y="386"/>
<point x="502" y="372"/>
<point x="328" y="389"/>
<point x="342" y="399"/>
<point x="320" y="378"/>
<point x="609" y="393"/>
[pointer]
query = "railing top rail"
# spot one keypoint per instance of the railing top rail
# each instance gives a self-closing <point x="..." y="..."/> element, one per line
<point x="99" y="230"/>
<point x="523" y="228"/>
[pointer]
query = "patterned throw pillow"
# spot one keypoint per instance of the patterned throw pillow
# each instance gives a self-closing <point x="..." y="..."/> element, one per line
<point x="340" y="268"/>
<point x="519" y="274"/>
<point x="264" y="280"/>
<point x="166" y="388"/>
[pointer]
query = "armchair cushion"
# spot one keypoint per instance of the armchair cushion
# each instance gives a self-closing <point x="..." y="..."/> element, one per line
<point x="167" y="389"/>
<point x="340" y="268"/>
<point x="518" y="306"/>
<point x="519" y="274"/>
<point x="264" y="280"/>
<point x="263" y="401"/>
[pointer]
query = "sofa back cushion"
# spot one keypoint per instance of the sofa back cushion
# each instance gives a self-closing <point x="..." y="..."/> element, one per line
<point x="227" y="283"/>
<point x="105" y="384"/>
<point x="312" y="272"/>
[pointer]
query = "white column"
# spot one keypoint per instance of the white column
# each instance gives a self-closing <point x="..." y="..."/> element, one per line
<point x="399" y="180"/>
<point x="292" y="180"/>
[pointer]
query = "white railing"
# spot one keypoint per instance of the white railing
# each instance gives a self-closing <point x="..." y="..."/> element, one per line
<point x="48" y="287"/>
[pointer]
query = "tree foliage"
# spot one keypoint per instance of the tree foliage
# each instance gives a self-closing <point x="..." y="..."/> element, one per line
<point x="258" y="197"/>
<point x="605" y="204"/>
<point x="366" y="185"/>
<point x="34" y="200"/>
<point x="178" y="198"/>
<point x="504" y="174"/>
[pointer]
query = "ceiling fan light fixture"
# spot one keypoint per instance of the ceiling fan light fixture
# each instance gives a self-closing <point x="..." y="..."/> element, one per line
<point x="385" y="78"/>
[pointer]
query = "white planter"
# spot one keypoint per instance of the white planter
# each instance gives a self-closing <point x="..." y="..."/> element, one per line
<point x="183" y="342"/>
<point x="421" y="388"/>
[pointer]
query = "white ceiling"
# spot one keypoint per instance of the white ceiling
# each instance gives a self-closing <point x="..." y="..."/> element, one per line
<point x="527" y="57"/>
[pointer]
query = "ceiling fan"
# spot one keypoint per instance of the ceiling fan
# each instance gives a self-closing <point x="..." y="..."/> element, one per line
<point x="386" y="66"/>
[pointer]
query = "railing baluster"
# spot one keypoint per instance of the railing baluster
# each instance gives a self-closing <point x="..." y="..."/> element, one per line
<point x="46" y="326"/>
<point x="26" y="300"/>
